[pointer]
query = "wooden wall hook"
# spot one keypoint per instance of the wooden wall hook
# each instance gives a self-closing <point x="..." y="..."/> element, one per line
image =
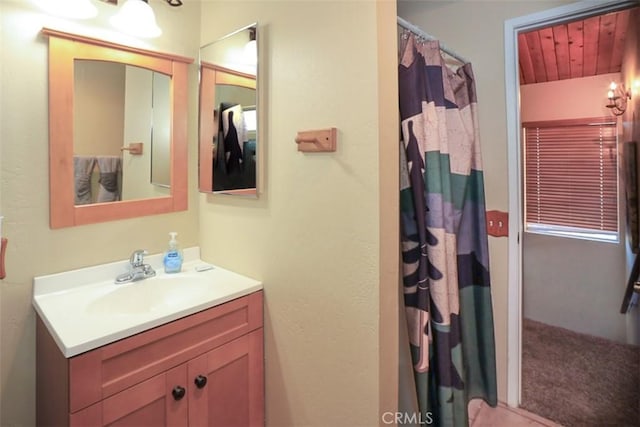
<point x="134" y="148"/>
<point x="315" y="141"/>
<point x="3" y="250"/>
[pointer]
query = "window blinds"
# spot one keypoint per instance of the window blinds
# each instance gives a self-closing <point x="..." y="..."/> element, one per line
<point x="571" y="173"/>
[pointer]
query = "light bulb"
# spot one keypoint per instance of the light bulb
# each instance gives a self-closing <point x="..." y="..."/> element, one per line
<point x="137" y="19"/>
<point x="251" y="52"/>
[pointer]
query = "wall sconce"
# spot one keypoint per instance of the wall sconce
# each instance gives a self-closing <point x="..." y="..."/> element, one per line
<point x="136" y="18"/>
<point x="251" y="48"/>
<point x="618" y="98"/>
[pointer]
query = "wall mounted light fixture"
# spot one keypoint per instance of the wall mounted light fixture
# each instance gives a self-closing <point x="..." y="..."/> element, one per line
<point x="251" y="48"/>
<point x="136" y="18"/>
<point x="617" y="98"/>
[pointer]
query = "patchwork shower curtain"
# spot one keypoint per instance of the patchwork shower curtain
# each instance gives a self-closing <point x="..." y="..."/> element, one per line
<point x="445" y="255"/>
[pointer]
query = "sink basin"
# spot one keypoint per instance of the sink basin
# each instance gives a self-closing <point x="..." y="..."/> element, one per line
<point x="159" y="293"/>
<point x="84" y="309"/>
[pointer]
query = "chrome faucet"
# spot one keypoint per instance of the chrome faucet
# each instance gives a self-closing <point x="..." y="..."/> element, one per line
<point x="138" y="270"/>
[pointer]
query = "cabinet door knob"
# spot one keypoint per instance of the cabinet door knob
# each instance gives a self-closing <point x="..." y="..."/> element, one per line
<point x="178" y="392"/>
<point x="200" y="381"/>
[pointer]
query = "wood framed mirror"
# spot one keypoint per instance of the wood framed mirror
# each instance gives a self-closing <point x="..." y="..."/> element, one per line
<point x="68" y="171"/>
<point x="229" y="144"/>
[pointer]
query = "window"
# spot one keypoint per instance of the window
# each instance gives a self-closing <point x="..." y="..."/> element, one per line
<point x="571" y="185"/>
<point x="250" y="118"/>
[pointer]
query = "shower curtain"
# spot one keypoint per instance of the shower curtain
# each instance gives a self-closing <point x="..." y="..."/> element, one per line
<point x="447" y="297"/>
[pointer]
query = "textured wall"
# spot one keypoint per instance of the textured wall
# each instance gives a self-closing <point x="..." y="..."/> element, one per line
<point x="34" y="249"/>
<point x="313" y="237"/>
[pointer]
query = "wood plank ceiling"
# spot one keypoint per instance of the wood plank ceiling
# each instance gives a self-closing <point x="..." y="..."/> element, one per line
<point x="573" y="49"/>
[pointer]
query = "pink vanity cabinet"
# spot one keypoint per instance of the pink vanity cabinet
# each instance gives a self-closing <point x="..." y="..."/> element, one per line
<point x="205" y="369"/>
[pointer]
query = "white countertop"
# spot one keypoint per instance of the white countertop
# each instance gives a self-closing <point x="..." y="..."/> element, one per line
<point x="84" y="309"/>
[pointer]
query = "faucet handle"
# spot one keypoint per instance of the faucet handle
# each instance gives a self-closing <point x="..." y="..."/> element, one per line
<point x="137" y="257"/>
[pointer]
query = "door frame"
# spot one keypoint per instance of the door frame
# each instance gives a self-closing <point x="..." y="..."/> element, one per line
<point x="512" y="27"/>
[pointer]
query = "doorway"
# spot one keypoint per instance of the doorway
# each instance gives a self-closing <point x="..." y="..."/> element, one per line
<point x="513" y="28"/>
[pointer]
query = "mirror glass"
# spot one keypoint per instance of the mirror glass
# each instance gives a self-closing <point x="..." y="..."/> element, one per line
<point x="116" y="105"/>
<point x="229" y="145"/>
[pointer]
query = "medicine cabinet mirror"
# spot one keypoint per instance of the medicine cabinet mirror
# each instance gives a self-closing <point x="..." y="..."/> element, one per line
<point x="229" y="144"/>
<point x="117" y="131"/>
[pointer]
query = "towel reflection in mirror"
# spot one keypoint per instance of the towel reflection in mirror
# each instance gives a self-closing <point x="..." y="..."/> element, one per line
<point x="82" y="169"/>
<point x="97" y="179"/>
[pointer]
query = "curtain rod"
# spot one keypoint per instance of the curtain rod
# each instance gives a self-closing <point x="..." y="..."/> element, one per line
<point x="417" y="31"/>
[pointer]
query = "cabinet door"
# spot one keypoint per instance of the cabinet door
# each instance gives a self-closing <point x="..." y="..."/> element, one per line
<point x="155" y="402"/>
<point x="226" y="386"/>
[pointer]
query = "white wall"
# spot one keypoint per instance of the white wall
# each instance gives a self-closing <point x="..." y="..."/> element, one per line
<point x="475" y="29"/>
<point x="575" y="284"/>
<point x="141" y="125"/>
<point x="572" y="283"/>
<point x="315" y="237"/>
<point x="34" y="249"/>
<point x="566" y="99"/>
<point x="98" y="108"/>
<point x="161" y="140"/>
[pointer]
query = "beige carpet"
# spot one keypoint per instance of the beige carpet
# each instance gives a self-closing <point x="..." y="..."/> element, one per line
<point x="579" y="380"/>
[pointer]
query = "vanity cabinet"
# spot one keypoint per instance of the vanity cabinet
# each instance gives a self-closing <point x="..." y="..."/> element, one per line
<point x="203" y="369"/>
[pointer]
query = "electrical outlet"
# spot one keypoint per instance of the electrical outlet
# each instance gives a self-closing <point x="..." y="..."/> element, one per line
<point x="497" y="223"/>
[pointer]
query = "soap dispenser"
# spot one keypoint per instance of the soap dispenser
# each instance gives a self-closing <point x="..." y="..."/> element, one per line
<point x="173" y="256"/>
